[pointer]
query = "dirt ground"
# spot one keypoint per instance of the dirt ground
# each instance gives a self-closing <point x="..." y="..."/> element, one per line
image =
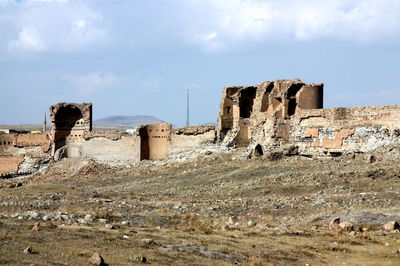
<point x="217" y="209"/>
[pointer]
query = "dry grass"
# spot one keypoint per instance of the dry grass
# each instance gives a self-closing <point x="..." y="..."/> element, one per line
<point x="290" y="228"/>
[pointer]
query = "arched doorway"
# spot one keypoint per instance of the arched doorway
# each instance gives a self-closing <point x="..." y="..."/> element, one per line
<point x="258" y="151"/>
<point x="246" y="101"/>
<point x="69" y="125"/>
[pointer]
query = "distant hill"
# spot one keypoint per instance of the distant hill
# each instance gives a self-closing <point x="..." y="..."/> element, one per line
<point x="126" y="121"/>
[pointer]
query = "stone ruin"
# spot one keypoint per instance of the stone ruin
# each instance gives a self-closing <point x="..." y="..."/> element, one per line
<point x="274" y="115"/>
<point x="290" y="114"/>
<point x="245" y="106"/>
<point x="69" y="121"/>
<point x="72" y="136"/>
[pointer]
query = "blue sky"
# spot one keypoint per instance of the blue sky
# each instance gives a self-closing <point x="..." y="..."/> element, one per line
<point x="133" y="57"/>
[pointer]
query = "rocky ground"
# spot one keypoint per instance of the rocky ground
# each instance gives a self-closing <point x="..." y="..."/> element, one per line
<point x="216" y="209"/>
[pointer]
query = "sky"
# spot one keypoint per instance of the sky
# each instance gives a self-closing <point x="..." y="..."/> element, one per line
<point x="139" y="57"/>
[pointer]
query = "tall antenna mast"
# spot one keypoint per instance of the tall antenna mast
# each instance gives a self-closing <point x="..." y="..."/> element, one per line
<point x="187" y="108"/>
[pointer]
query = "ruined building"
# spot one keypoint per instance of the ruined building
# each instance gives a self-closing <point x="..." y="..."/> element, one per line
<point x="69" y="121"/>
<point x="72" y="136"/>
<point x="290" y="113"/>
<point x="282" y="114"/>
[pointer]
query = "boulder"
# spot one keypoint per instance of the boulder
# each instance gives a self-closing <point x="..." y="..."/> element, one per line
<point x="36" y="227"/>
<point x="28" y="250"/>
<point x="96" y="259"/>
<point x="346" y="226"/>
<point x="334" y="225"/>
<point x="391" y="226"/>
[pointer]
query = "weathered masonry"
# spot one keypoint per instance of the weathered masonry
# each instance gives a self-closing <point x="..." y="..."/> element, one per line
<point x="290" y="113"/>
<point x="69" y="122"/>
<point x="154" y="139"/>
<point x="245" y="106"/>
<point x="72" y="136"/>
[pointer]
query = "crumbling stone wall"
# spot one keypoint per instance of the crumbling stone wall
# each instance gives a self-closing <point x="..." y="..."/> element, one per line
<point x="191" y="138"/>
<point x="289" y="113"/>
<point x="243" y="107"/>
<point x="19" y="151"/>
<point x="7" y="143"/>
<point x="10" y="164"/>
<point x="29" y="140"/>
<point x="69" y="122"/>
<point x="345" y="130"/>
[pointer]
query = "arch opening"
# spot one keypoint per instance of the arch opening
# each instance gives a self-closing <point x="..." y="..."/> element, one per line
<point x="258" y="151"/>
<point x="68" y="125"/>
<point x="292" y="105"/>
<point x="246" y="101"/>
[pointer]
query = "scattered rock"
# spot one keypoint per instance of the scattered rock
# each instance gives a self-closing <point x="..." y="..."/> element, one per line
<point x="232" y="220"/>
<point x="141" y="259"/>
<point x="96" y="259"/>
<point x="89" y="218"/>
<point x="82" y="221"/>
<point x="28" y="250"/>
<point x="103" y="220"/>
<point x="346" y="226"/>
<point x="337" y="226"/>
<point x="33" y="214"/>
<point x="110" y="226"/>
<point x="36" y="227"/>
<point x="147" y="241"/>
<point x="250" y="223"/>
<point x="391" y="226"/>
<point x="15" y="185"/>
<point x="371" y="158"/>
<point x="334" y="225"/>
<point x="47" y="218"/>
<point x="208" y="153"/>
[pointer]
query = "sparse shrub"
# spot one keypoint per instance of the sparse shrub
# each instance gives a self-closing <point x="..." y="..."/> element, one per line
<point x="104" y="214"/>
<point x="257" y="261"/>
<point x="193" y="222"/>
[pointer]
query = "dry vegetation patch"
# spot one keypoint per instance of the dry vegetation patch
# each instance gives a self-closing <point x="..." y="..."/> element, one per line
<point x="215" y="210"/>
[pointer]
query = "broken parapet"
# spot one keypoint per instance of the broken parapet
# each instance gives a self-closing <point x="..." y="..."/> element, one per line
<point x="69" y="121"/>
<point x="270" y="115"/>
<point x="245" y="106"/>
<point x="192" y="138"/>
<point x="193" y="130"/>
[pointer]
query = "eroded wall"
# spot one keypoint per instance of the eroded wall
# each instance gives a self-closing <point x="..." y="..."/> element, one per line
<point x="289" y="112"/>
<point x="115" y="149"/>
<point x="243" y="107"/>
<point x="10" y="164"/>
<point x="16" y="149"/>
<point x="191" y="138"/>
<point x="69" y="122"/>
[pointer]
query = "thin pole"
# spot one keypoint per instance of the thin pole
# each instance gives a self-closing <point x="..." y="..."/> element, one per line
<point x="187" y="108"/>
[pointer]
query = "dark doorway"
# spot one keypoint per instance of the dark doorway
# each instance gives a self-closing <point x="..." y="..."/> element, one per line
<point x="144" y="144"/>
<point x="246" y="101"/>
<point x="66" y="119"/>
<point x="258" y="151"/>
<point x="292" y="105"/>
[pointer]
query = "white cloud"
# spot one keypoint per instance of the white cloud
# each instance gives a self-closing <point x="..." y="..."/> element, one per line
<point x="91" y="82"/>
<point x="49" y="1"/>
<point x="209" y="41"/>
<point x="56" y="26"/>
<point x="300" y="20"/>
